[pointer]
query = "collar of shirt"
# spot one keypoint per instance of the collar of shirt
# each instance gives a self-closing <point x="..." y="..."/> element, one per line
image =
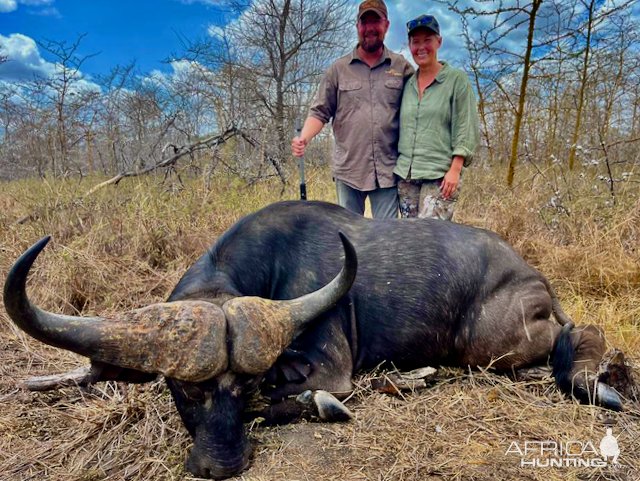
<point x="442" y="75"/>
<point x="386" y="55"/>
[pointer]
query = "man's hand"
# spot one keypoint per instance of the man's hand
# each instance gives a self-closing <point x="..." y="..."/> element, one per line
<point x="298" y="146"/>
<point x="310" y="129"/>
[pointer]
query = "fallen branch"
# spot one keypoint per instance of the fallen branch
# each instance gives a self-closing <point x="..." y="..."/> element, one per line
<point x="273" y="161"/>
<point x="179" y="153"/>
<point x="396" y="382"/>
<point x="86" y="375"/>
<point x="78" y="377"/>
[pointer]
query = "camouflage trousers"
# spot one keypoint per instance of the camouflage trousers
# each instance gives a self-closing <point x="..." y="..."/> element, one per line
<point x="422" y="198"/>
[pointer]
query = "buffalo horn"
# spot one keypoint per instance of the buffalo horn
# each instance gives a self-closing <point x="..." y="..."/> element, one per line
<point x="261" y="329"/>
<point x="185" y="340"/>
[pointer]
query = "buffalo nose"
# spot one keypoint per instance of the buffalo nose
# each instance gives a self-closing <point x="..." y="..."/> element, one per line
<point x="205" y="467"/>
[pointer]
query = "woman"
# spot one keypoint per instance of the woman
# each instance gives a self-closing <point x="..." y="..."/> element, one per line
<point x="438" y="128"/>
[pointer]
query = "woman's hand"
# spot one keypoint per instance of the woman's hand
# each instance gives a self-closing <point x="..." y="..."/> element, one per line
<point x="451" y="179"/>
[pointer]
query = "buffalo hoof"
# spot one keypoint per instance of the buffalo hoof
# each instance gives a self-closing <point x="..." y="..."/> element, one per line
<point x="608" y="397"/>
<point x="327" y="407"/>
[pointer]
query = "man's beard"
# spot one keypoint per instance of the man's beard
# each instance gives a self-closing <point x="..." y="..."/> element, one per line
<point x="371" y="44"/>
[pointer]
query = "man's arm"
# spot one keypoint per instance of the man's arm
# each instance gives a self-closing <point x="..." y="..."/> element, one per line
<point x="322" y="110"/>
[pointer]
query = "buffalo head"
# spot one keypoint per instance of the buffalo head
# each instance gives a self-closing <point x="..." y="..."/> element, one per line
<point x="212" y="355"/>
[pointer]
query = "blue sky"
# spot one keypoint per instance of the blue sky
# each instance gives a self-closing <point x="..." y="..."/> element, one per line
<point x="147" y="31"/>
<point x="150" y="31"/>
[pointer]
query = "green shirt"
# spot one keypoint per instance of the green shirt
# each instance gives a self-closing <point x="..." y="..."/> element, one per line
<point x="442" y="124"/>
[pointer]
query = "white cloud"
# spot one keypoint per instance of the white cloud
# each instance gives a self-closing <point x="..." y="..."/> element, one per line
<point x="215" y="31"/>
<point x="8" y="6"/>
<point x="182" y="69"/>
<point x="34" y="3"/>
<point x="24" y="63"/>
<point x="47" y="12"/>
<point x="23" y="59"/>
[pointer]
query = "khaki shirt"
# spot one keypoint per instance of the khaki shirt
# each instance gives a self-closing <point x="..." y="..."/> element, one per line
<point x="363" y="104"/>
<point x="441" y="125"/>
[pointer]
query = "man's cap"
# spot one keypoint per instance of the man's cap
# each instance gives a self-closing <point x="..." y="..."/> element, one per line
<point x="377" y="6"/>
<point x="428" y="22"/>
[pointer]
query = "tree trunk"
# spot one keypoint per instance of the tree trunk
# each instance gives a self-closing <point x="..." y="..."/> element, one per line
<point x="523" y="93"/>
<point x="583" y="87"/>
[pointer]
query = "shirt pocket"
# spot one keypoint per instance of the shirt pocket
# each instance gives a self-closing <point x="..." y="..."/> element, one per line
<point x="393" y="83"/>
<point x="350" y="93"/>
<point x="393" y="91"/>
<point x="350" y="85"/>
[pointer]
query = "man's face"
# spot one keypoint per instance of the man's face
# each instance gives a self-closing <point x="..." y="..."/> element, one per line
<point x="371" y="31"/>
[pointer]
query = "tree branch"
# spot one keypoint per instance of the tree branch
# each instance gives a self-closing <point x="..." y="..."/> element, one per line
<point x="181" y="152"/>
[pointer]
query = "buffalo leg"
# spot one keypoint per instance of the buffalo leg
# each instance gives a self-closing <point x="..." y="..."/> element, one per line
<point x="320" y="359"/>
<point x="317" y="404"/>
<point x="309" y="378"/>
<point x="515" y="330"/>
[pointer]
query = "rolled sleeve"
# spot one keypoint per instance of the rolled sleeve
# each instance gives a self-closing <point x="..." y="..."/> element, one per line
<point x="464" y="125"/>
<point x="325" y="102"/>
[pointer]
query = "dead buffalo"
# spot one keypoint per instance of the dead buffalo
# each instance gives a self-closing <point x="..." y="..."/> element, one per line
<point x="427" y="292"/>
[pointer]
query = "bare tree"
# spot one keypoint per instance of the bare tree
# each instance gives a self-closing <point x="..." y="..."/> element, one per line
<point x="111" y="141"/>
<point x="269" y="62"/>
<point x="590" y="5"/>
<point x="507" y="22"/>
<point x="480" y="83"/>
<point x="61" y="87"/>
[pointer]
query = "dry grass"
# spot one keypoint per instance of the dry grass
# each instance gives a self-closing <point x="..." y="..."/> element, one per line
<point x="127" y="246"/>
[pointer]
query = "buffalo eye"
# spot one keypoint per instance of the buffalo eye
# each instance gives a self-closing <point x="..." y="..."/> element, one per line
<point x="192" y="392"/>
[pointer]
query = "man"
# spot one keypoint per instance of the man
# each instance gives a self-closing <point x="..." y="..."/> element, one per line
<point x="361" y="94"/>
